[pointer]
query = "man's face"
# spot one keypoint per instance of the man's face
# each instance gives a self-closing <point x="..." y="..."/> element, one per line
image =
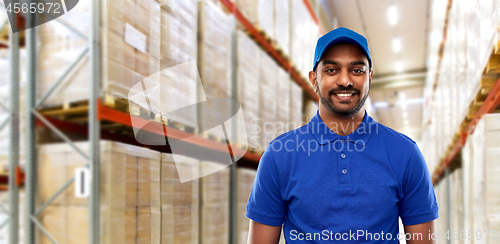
<point x="342" y="79"/>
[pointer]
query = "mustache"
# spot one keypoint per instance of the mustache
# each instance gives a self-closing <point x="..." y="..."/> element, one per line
<point x="342" y="88"/>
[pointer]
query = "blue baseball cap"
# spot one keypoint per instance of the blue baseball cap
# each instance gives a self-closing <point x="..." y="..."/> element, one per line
<point x="340" y="35"/>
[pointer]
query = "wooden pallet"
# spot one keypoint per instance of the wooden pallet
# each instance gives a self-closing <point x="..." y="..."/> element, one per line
<point x="126" y="106"/>
<point x="264" y="34"/>
<point x="77" y="112"/>
<point x="213" y="137"/>
<point x="179" y="126"/>
<point x="493" y="65"/>
<point x="496" y="49"/>
<point x="70" y="111"/>
<point x="4" y="36"/>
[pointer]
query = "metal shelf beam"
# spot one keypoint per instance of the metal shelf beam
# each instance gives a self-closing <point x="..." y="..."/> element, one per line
<point x="94" y="122"/>
<point x="112" y="115"/>
<point x="30" y="142"/>
<point x="13" y="136"/>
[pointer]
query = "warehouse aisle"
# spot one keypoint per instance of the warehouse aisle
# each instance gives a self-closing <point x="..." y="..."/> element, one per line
<point x="189" y="94"/>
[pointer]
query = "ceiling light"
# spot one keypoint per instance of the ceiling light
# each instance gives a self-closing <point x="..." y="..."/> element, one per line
<point x="405" y="115"/>
<point x="399" y="67"/>
<point x="406" y="122"/>
<point x="402" y="96"/>
<point x="396" y="45"/>
<point x="393" y="15"/>
<point x="403" y="106"/>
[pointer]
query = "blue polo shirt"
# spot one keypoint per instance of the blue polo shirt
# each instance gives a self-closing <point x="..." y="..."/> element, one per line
<point x="322" y="186"/>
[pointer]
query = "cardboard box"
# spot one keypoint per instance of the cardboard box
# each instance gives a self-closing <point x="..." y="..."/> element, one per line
<point x="130" y="193"/>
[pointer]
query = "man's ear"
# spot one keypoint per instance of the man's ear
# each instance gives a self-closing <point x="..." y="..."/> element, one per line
<point x="313" y="79"/>
<point x="370" y="77"/>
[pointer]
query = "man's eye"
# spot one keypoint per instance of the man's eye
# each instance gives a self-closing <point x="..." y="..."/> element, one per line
<point x="330" y="70"/>
<point x="358" y="71"/>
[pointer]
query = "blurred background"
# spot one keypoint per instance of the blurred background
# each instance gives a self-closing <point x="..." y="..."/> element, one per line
<point x="66" y="112"/>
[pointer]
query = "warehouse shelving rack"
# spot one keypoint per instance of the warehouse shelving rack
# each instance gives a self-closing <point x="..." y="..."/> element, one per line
<point x="32" y="116"/>
<point x="447" y="163"/>
<point x="488" y="106"/>
<point x="14" y="174"/>
<point x="97" y="112"/>
<point x="443" y="170"/>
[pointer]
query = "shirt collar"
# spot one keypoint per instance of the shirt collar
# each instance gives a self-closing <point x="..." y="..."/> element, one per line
<point x="324" y="135"/>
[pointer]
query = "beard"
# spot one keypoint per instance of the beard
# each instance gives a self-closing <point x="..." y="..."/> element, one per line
<point x="328" y="103"/>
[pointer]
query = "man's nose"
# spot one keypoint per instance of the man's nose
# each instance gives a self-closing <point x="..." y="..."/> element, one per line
<point x="344" y="79"/>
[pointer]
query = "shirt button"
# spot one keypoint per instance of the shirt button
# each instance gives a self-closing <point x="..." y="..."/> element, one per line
<point x="344" y="171"/>
<point x="342" y="155"/>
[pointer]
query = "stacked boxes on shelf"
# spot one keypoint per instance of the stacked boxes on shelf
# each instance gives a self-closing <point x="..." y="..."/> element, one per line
<point x="214" y="201"/>
<point x="179" y="23"/>
<point x="455" y="197"/>
<point x="245" y="179"/>
<point x="178" y="49"/>
<point x="467" y="155"/>
<point x="260" y="13"/>
<point x="129" y="194"/>
<point x="139" y="39"/>
<point x="61" y="47"/>
<point x="473" y="168"/>
<point x="130" y="50"/>
<point x="303" y="36"/>
<point x="282" y="102"/>
<point x="282" y="25"/>
<point x="268" y="73"/>
<point x="179" y="200"/>
<point x="492" y="172"/>
<point x="214" y="62"/>
<point x="296" y="97"/>
<point x="248" y="89"/>
<point x="480" y="176"/>
<point x="441" y="224"/>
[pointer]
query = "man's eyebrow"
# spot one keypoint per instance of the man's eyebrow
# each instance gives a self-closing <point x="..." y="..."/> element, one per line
<point x="358" y="63"/>
<point x="330" y="62"/>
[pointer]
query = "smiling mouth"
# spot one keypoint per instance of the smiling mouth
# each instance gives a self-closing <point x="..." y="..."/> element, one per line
<point x="344" y="94"/>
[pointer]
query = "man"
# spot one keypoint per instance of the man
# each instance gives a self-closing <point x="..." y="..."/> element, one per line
<point x="343" y="176"/>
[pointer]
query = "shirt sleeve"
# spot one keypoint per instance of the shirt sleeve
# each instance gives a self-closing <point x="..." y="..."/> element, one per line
<point x="418" y="204"/>
<point x="265" y="204"/>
